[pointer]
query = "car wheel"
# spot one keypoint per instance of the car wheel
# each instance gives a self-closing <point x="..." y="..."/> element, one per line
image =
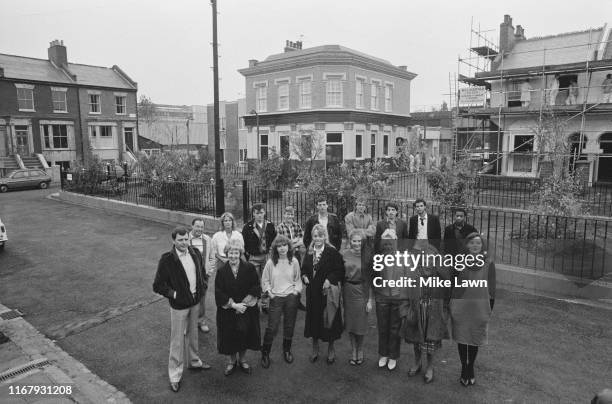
<point x="3" y="188"/>
<point x="43" y="185"/>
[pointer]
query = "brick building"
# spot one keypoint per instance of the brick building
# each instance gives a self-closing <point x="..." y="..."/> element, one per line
<point x="354" y="104"/>
<point x="53" y="111"/>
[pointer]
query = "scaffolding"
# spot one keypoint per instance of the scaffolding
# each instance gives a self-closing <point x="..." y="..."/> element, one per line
<point x="479" y="130"/>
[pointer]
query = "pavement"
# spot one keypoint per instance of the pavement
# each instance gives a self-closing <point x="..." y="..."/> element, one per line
<point x="82" y="279"/>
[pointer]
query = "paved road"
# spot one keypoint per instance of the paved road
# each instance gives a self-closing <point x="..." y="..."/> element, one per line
<point x="83" y="277"/>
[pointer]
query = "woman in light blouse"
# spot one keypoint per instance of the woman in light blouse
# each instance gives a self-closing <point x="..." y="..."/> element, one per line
<point x="220" y="239"/>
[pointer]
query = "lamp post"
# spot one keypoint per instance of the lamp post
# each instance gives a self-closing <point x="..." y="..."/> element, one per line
<point x="219" y="193"/>
<point x="257" y="123"/>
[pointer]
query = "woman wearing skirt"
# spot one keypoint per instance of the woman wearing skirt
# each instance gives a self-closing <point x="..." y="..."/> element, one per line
<point x="356" y="296"/>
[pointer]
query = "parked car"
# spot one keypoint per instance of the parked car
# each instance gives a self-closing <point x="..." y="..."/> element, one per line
<point x="3" y="235"/>
<point x="28" y="178"/>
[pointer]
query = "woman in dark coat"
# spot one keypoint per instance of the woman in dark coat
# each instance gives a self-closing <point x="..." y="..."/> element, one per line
<point x="237" y="289"/>
<point x="322" y="272"/>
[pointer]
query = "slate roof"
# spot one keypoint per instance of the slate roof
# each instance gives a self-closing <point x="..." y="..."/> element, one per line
<point x="571" y="47"/>
<point x="25" y="68"/>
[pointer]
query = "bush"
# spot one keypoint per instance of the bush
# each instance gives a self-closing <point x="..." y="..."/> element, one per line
<point x="454" y="186"/>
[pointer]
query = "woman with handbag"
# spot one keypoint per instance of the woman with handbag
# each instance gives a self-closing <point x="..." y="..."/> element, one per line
<point x="426" y="317"/>
<point x="237" y="290"/>
<point x="471" y="307"/>
<point x="322" y="273"/>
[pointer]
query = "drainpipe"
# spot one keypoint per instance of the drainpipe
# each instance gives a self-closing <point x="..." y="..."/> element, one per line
<point x="80" y="125"/>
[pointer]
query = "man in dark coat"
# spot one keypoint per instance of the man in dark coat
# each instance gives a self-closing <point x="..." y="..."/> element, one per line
<point x="391" y="227"/>
<point x="455" y="233"/>
<point x="329" y="220"/>
<point x="179" y="278"/>
<point x="424" y="226"/>
<point x="258" y="235"/>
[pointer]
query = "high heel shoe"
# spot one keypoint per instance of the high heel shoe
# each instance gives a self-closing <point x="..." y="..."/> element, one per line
<point x="464" y="380"/>
<point x="428" y="379"/>
<point x="229" y="369"/>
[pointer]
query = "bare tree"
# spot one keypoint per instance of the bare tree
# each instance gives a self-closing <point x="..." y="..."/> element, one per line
<point x="308" y="146"/>
<point x="147" y="110"/>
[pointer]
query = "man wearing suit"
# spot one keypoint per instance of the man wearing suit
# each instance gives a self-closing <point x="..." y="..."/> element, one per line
<point x="329" y="220"/>
<point x="424" y="227"/>
<point x="455" y="233"/>
<point x="179" y="278"/>
<point x="391" y="227"/>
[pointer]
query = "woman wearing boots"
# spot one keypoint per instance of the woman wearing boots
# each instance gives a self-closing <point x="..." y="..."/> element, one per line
<point x="322" y="273"/>
<point x="426" y="317"/>
<point x="356" y="296"/>
<point x="471" y="308"/>
<point x="281" y="281"/>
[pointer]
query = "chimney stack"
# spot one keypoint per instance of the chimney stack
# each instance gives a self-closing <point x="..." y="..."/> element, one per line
<point x="291" y="46"/>
<point x="519" y="34"/>
<point x="57" y="53"/>
<point x="403" y="67"/>
<point x="253" y="62"/>
<point x="506" y="34"/>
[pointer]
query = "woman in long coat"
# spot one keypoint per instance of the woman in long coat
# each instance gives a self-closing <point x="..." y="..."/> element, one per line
<point x="237" y="289"/>
<point x="426" y="317"/>
<point x="471" y="307"/>
<point x="322" y="272"/>
<point x="356" y="295"/>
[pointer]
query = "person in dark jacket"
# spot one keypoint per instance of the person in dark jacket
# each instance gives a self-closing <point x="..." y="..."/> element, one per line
<point x="237" y="289"/>
<point x="392" y="227"/>
<point x="258" y="235"/>
<point x="179" y="278"/>
<point x="328" y="220"/>
<point x="322" y="273"/>
<point x="423" y="227"/>
<point x="455" y="233"/>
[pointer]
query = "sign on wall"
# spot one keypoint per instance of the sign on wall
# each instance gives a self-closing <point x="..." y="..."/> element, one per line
<point x="472" y="96"/>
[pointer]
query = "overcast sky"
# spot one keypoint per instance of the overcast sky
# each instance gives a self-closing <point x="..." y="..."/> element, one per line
<point x="166" y="45"/>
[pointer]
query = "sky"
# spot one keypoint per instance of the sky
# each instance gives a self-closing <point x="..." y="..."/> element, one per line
<point x="165" y="45"/>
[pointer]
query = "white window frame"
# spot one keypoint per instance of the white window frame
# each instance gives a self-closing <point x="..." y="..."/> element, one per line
<point x="283" y="93"/>
<point x="26" y="89"/>
<point x="59" y="90"/>
<point x="261" y="96"/>
<point x="360" y="134"/>
<point x="122" y="96"/>
<point x="305" y="97"/>
<point x="49" y="126"/>
<point x="388" y="96"/>
<point x="334" y="99"/>
<point x="375" y="95"/>
<point x="373" y="138"/>
<point x="91" y="104"/>
<point x="360" y="96"/>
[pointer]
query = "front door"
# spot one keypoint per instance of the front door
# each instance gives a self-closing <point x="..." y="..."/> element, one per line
<point x="22" y="134"/>
<point x="129" y="139"/>
<point x="333" y="155"/>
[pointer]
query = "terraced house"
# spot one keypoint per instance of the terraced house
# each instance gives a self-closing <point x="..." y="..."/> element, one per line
<point x="52" y="111"/>
<point x="356" y="105"/>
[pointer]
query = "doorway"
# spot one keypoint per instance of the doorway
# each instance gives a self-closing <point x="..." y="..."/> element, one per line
<point x="22" y="134"/>
<point x="604" y="170"/>
<point x="333" y="150"/>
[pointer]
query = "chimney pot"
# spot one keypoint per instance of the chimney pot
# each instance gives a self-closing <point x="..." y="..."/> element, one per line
<point x="252" y="62"/>
<point x="403" y="67"/>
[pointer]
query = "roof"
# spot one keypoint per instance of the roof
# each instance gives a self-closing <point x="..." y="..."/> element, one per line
<point x="323" y="48"/>
<point x="559" y="49"/>
<point x="146" y="143"/>
<point x="32" y="69"/>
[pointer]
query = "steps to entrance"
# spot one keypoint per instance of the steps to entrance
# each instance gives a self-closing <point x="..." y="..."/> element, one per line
<point x="31" y="162"/>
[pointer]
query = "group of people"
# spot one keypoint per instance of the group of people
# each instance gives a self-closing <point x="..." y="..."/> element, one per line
<point x="267" y="268"/>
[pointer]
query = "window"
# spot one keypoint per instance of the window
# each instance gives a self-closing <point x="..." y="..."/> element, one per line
<point x="523" y="149"/>
<point x="58" y="95"/>
<point x="358" y="146"/>
<point x="25" y="97"/>
<point x="243" y="155"/>
<point x="263" y="149"/>
<point x="373" y="146"/>
<point x="385" y="145"/>
<point x="261" y="97"/>
<point x="388" y="97"/>
<point x="120" y="104"/>
<point x="333" y="97"/>
<point x="94" y="103"/>
<point x="359" y="88"/>
<point x="374" y="95"/>
<point x="64" y="164"/>
<point x="283" y="96"/>
<point x="514" y="94"/>
<point x="304" y="86"/>
<point x="55" y="136"/>
<point x="334" y="138"/>
<point x="284" y="147"/>
<point x="106" y="131"/>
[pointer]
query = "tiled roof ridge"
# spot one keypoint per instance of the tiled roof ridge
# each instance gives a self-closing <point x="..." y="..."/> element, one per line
<point x="537" y="38"/>
<point x="86" y="65"/>
<point x="23" y="57"/>
<point x="48" y="61"/>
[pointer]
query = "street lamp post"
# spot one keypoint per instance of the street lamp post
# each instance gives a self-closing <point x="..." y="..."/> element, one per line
<point x="219" y="193"/>
<point x="257" y="123"/>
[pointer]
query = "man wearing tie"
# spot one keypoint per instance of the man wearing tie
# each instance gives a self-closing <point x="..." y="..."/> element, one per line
<point x="424" y="228"/>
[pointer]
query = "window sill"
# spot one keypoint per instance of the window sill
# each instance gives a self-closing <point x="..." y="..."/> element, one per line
<point x="95" y="113"/>
<point x="62" y="149"/>
<point x="27" y="110"/>
<point x="117" y="113"/>
<point x="60" y="112"/>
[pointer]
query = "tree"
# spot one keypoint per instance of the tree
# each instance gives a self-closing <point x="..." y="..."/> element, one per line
<point x="308" y="147"/>
<point x="147" y="110"/>
<point x="453" y="186"/>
